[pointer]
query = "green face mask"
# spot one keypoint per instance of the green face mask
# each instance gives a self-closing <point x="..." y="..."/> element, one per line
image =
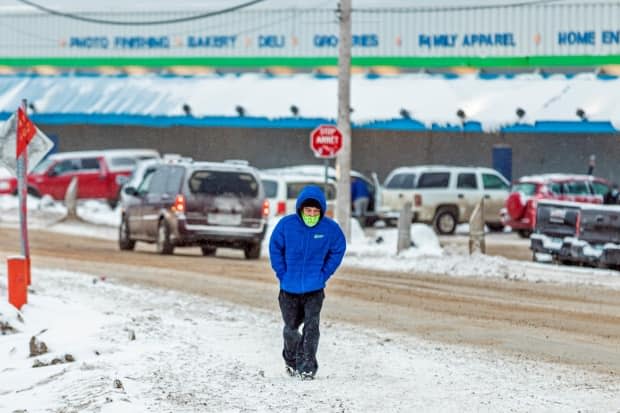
<point x="310" y="221"/>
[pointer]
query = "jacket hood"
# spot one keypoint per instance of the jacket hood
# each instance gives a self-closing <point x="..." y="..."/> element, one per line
<point x="311" y="192"/>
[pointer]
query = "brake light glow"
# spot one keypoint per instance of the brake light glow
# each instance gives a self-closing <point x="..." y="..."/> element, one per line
<point x="281" y="208"/>
<point x="417" y="200"/>
<point x="265" y="208"/>
<point x="533" y="208"/>
<point x="578" y="225"/>
<point x="179" y="204"/>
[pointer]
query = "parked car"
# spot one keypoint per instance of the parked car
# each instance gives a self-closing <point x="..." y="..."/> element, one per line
<point x="444" y="196"/>
<point x="281" y="191"/>
<point x="520" y="208"/>
<point x="186" y="203"/>
<point x="100" y="174"/>
<point x="316" y="174"/>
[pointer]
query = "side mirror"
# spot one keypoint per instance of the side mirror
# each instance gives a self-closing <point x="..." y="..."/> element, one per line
<point x="130" y="190"/>
<point x="51" y="173"/>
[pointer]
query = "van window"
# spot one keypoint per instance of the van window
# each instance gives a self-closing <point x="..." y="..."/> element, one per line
<point x="68" y="165"/>
<point x="173" y="182"/>
<point x="224" y="183"/>
<point x="144" y="185"/>
<point x="491" y="181"/>
<point x="434" y="180"/>
<point x="157" y="183"/>
<point x="294" y="188"/>
<point x="271" y="188"/>
<point x="401" y="181"/>
<point x="466" y="181"/>
<point x="90" y="164"/>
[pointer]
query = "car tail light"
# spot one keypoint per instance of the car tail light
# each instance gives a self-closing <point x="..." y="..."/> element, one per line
<point x="533" y="205"/>
<point x="578" y="225"/>
<point x="265" y="208"/>
<point x="281" y="208"/>
<point x="179" y="204"/>
<point x="417" y="200"/>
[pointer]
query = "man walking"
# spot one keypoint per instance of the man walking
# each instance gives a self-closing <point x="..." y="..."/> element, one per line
<point x="305" y="250"/>
<point x="360" y="197"/>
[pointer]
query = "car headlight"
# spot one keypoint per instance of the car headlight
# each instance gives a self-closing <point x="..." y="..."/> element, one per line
<point x="4" y="186"/>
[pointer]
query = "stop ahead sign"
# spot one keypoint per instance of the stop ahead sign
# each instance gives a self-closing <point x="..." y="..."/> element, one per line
<point x="326" y="141"/>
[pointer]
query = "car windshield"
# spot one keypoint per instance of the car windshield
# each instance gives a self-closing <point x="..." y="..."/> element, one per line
<point x="42" y="166"/>
<point x="401" y="181"/>
<point x="224" y="183"/>
<point x="526" y="188"/>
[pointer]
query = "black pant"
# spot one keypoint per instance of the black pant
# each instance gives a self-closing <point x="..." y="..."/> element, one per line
<point x="300" y="349"/>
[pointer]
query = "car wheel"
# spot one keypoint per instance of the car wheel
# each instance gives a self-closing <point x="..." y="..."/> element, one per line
<point x="252" y="251"/>
<point x="524" y="233"/>
<point x="163" y="244"/>
<point x="495" y="227"/>
<point x="208" y="251"/>
<point x="125" y="243"/>
<point x="445" y="221"/>
<point x="33" y="192"/>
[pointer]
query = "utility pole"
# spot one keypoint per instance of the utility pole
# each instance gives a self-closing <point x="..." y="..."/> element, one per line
<point x="343" y="159"/>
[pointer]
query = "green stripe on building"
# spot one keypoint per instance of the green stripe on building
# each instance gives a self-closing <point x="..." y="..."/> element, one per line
<point x="309" y="62"/>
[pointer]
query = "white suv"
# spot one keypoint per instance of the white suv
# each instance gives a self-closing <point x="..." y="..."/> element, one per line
<point x="282" y="190"/>
<point x="445" y="196"/>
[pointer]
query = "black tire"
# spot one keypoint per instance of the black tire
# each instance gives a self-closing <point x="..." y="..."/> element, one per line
<point x="33" y="192"/>
<point x="163" y="244"/>
<point x="125" y="243"/>
<point x="252" y="251"/>
<point x="524" y="233"/>
<point x="495" y="227"/>
<point x="208" y="251"/>
<point x="112" y="203"/>
<point x="445" y="221"/>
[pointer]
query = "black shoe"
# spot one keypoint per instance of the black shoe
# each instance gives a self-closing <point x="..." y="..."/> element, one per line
<point x="306" y="375"/>
<point x="291" y="371"/>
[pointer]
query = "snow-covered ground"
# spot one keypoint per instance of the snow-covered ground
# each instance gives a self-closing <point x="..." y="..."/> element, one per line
<point x="197" y="354"/>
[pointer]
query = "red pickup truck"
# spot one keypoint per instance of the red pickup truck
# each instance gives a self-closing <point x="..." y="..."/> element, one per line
<point x="520" y="210"/>
<point x="100" y="174"/>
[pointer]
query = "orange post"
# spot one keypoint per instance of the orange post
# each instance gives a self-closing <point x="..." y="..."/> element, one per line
<point x="18" y="281"/>
<point x="28" y="272"/>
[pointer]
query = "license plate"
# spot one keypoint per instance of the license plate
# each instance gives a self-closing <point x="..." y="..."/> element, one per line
<point x="224" y="219"/>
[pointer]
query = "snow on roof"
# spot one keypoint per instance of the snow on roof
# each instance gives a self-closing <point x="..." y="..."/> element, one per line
<point x="107" y="152"/>
<point x="543" y="178"/>
<point x="430" y="99"/>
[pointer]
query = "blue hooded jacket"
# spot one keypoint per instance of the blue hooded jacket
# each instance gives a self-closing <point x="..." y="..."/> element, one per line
<point x="304" y="257"/>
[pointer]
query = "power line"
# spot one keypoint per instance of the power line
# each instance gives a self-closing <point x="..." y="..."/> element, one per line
<point x="140" y="23"/>
<point x="465" y="8"/>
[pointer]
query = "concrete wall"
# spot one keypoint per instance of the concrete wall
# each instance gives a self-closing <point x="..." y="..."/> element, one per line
<point x="373" y="150"/>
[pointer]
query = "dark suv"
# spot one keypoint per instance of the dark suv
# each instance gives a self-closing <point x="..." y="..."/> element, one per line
<point x="203" y="204"/>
